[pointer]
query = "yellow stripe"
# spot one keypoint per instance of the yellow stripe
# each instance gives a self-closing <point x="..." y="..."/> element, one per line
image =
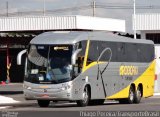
<point x="93" y="64"/>
<point x="85" y="67"/>
<point x="86" y="56"/>
<point x="147" y="80"/>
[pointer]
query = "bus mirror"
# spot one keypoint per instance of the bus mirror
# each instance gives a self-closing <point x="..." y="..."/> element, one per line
<point x="19" y="56"/>
<point x="74" y="56"/>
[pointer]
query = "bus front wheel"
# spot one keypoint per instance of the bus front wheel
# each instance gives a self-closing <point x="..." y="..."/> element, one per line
<point x="43" y="103"/>
<point x="86" y="97"/>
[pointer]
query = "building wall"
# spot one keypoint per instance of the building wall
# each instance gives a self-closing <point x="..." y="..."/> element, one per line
<point x="41" y="23"/>
<point x="16" y="72"/>
<point x="147" y="21"/>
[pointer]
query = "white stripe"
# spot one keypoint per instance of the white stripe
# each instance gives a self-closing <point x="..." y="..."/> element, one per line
<point x="7" y="100"/>
<point x="4" y="107"/>
<point x="156" y="94"/>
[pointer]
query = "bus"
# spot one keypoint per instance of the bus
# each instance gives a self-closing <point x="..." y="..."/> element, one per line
<point x="88" y="68"/>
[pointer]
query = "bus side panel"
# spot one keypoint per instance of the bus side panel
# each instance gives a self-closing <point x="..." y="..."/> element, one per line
<point x="146" y="78"/>
<point x="116" y="86"/>
<point x="89" y="77"/>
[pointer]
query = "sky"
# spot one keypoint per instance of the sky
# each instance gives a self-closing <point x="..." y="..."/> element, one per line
<point x="84" y="6"/>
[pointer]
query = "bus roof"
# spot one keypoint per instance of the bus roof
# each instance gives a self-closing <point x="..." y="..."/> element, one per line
<point x="65" y="37"/>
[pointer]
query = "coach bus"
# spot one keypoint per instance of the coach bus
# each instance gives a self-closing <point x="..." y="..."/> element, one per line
<point x="88" y="68"/>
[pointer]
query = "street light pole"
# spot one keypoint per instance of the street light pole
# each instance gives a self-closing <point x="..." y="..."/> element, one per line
<point x="7" y="8"/>
<point x="134" y="18"/>
<point x="44" y="7"/>
<point x="94" y="6"/>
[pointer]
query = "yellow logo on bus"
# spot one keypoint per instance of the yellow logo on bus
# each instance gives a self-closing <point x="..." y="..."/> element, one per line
<point x="128" y="70"/>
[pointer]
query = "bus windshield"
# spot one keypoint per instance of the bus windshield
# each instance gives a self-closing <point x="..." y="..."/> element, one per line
<point x="49" y="64"/>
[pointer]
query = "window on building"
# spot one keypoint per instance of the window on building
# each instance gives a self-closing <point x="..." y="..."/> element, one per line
<point x="155" y="37"/>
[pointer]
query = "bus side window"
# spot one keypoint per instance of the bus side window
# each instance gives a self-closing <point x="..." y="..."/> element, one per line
<point x="80" y="63"/>
<point x="80" y="57"/>
<point x="103" y="45"/>
<point x="121" y="54"/>
<point x="93" y="52"/>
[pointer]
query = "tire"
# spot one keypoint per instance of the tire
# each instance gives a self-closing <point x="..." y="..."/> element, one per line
<point x="86" y="98"/>
<point x="96" y="102"/>
<point x="130" y="98"/>
<point x="43" y="103"/>
<point x="138" y="95"/>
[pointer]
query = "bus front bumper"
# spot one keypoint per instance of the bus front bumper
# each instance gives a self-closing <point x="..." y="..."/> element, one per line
<point x="33" y="95"/>
<point x="41" y="92"/>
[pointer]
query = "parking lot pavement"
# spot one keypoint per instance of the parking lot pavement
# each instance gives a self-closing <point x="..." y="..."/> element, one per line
<point x="12" y="94"/>
<point x="5" y="102"/>
<point x="11" y="88"/>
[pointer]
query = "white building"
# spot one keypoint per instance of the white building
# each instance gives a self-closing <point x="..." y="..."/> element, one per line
<point x="149" y="27"/>
<point x="47" y="23"/>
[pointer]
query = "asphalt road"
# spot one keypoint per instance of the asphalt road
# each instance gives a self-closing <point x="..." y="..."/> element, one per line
<point x="64" y="109"/>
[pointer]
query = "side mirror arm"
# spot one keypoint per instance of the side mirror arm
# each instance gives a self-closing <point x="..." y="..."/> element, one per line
<point x="19" y="56"/>
<point x="74" y="56"/>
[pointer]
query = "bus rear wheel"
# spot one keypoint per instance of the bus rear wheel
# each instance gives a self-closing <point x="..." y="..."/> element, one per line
<point x="43" y="103"/>
<point x="138" y="95"/>
<point x="86" y="98"/>
<point x="131" y="96"/>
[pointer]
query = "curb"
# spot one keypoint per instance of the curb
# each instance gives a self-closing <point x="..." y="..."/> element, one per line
<point x="10" y="92"/>
<point x="18" y="104"/>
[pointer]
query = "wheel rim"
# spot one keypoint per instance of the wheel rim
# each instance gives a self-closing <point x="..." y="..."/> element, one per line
<point x="131" y="95"/>
<point x="85" y="95"/>
<point x="139" y="93"/>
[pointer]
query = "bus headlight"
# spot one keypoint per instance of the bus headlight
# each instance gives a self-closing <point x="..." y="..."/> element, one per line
<point x="66" y="86"/>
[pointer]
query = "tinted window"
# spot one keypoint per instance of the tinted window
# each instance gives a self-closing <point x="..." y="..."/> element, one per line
<point x="145" y="52"/>
<point x="132" y="51"/>
<point x="93" y="53"/>
<point x="112" y="45"/>
<point x="121" y="52"/>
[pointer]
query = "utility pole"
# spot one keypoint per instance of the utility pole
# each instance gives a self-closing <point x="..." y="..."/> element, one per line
<point x="7" y="8"/>
<point x="134" y="18"/>
<point x="44" y="7"/>
<point x="94" y="7"/>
